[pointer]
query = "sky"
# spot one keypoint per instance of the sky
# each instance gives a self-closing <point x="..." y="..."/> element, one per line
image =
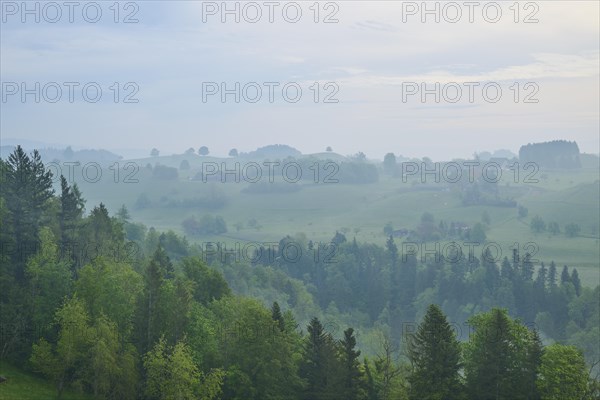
<point x="389" y="77"/>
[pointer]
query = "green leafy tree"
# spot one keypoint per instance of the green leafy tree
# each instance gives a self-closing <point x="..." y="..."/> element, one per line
<point x="388" y="372"/>
<point x="158" y="270"/>
<point x="208" y="284"/>
<point x="496" y="361"/>
<point x="258" y="358"/>
<point x="553" y="228"/>
<point x="203" y="151"/>
<point x="522" y="212"/>
<point x="477" y="233"/>
<point x="49" y="281"/>
<point x="111" y="289"/>
<point x="572" y="230"/>
<point x="563" y="374"/>
<point x="172" y="374"/>
<point x="111" y="368"/>
<point x="389" y="163"/>
<point x="537" y="224"/>
<point x="66" y="362"/>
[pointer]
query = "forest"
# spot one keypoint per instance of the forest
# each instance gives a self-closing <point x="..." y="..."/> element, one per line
<point x="106" y="308"/>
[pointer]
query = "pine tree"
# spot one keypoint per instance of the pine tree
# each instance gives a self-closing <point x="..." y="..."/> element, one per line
<point x="495" y="358"/>
<point x="319" y="365"/>
<point x="535" y="351"/>
<point x="352" y="374"/>
<point x="71" y="211"/>
<point x="506" y="271"/>
<point x="434" y="354"/>
<point x="542" y="276"/>
<point x="27" y="187"/>
<point x="155" y="275"/>
<point x="277" y="316"/>
<point x="564" y="276"/>
<point x="552" y="275"/>
<point x="369" y="383"/>
<point x="540" y="286"/>
<point x="492" y="275"/>
<point x="393" y="251"/>
<point x="576" y="281"/>
<point x="527" y="268"/>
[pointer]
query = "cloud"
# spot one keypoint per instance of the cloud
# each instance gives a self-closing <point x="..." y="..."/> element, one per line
<point x="545" y="66"/>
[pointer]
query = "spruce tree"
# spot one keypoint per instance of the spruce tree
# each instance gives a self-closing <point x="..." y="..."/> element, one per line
<point x="501" y="358"/>
<point x="434" y="354"/>
<point x="564" y="276"/>
<point x="319" y="367"/>
<point x="576" y="281"/>
<point x="27" y="187"/>
<point x="277" y="316"/>
<point x="552" y="275"/>
<point x="350" y="365"/>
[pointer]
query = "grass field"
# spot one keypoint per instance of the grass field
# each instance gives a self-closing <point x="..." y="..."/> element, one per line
<point x="23" y="386"/>
<point x="361" y="210"/>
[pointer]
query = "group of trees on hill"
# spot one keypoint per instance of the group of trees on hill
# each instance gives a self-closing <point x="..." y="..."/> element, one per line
<point x="159" y="321"/>
<point x="538" y="225"/>
<point x="554" y="154"/>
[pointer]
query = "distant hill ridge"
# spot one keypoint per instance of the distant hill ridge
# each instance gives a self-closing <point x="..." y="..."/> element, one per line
<point x="554" y="154"/>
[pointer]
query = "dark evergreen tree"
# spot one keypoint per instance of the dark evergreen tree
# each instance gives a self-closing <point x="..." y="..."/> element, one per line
<point x="506" y="271"/>
<point x="564" y="276"/>
<point x="369" y="382"/>
<point x="434" y="354"/>
<point x="392" y="250"/>
<point x="552" y="275"/>
<point x="319" y="367"/>
<point x="70" y="216"/>
<point x="352" y="374"/>
<point x="533" y="362"/>
<point x="496" y="362"/>
<point x="27" y="187"/>
<point x="277" y="316"/>
<point x="527" y="268"/>
<point x="576" y="281"/>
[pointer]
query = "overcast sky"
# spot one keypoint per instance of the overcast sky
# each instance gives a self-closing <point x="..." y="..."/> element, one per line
<point x="371" y="58"/>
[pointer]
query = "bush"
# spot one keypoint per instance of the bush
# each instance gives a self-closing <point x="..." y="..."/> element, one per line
<point x="572" y="230"/>
<point x="165" y="173"/>
<point x="206" y="226"/>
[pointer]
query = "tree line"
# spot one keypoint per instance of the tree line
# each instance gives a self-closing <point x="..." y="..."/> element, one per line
<point x="164" y="323"/>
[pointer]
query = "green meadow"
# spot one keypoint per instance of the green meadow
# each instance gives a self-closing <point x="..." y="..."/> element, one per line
<point x="318" y="210"/>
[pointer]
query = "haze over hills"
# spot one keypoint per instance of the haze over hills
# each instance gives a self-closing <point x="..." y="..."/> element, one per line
<point x="313" y="200"/>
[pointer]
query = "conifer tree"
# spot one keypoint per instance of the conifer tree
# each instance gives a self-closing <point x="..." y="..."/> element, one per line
<point x="352" y="374"/>
<point x="434" y="354"/>
<point x="576" y="281"/>
<point x="277" y="316"/>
